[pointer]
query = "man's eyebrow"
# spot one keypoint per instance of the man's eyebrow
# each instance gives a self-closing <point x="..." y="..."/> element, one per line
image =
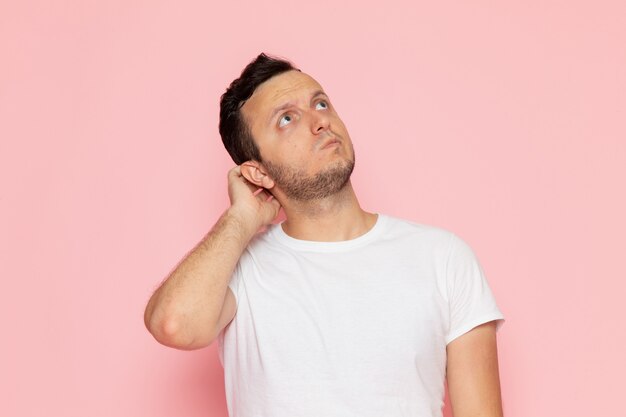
<point x="318" y="93"/>
<point x="284" y="106"/>
<point x="278" y="110"/>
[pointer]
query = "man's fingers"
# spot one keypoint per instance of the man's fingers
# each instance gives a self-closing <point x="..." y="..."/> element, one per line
<point x="262" y="194"/>
<point x="235" y="172"/>
<point x="274" y="202"/>
<point x="267" y="206"/>
<point x="235" y="175"/>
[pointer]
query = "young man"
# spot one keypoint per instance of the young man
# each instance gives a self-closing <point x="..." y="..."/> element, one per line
<point x="336" y="311"/>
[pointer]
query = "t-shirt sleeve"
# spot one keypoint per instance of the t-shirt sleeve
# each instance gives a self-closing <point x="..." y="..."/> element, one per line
<point x="235" y="280"/>
<point x="233" y="284"/>
<point x="470" y="298"/>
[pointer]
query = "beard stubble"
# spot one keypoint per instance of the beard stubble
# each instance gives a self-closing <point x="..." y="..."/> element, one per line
<point x="299" y="187"/>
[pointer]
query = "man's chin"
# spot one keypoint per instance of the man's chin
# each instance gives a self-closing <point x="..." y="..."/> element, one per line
<point x="299" y="187"/>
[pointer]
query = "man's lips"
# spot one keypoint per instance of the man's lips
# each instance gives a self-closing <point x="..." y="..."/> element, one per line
<point x="330" y="142"/>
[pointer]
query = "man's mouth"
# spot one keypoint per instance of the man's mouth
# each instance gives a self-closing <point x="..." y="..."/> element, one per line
<point x="330" y="143"/>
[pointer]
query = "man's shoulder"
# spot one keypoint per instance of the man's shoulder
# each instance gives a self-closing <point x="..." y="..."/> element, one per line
<point x="406" y="227"/>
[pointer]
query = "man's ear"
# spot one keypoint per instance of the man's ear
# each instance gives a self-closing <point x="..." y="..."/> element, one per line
<point x="255" y="173"/>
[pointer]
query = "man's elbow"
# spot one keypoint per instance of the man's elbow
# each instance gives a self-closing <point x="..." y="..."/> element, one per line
<point x="171" y="333"/>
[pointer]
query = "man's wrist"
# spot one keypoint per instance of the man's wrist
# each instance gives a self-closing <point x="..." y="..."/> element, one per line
<point x="245" y="225"/>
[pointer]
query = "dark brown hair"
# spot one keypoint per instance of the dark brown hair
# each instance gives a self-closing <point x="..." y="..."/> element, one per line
<point x="234" y="131"/>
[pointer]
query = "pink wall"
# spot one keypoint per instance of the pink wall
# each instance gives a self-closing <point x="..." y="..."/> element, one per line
<point x="502" y="122"/>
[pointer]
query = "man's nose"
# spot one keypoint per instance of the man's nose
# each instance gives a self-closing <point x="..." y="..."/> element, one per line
<point x="320" y="123"/>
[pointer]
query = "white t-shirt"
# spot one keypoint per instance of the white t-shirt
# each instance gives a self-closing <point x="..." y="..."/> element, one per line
<point x="350" y="328"/>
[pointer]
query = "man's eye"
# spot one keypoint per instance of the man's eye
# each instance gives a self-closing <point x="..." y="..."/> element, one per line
<point x="321" y="105"/>
<point x="284" y="120"/>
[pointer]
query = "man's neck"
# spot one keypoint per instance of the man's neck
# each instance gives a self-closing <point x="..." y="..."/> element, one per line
<point x="335" y="218"/>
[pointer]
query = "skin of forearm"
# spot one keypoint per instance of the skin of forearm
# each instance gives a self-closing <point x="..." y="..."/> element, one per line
<point x="183" y="312"/>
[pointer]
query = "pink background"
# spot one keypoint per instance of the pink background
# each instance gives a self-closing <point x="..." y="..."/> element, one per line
<point x="505" y="123"/>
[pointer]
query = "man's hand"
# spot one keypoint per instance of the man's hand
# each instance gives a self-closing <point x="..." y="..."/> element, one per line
<point x="250" y="204"/>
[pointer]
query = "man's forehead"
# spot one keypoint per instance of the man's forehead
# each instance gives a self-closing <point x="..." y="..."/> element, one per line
<point x="284" y="87"/>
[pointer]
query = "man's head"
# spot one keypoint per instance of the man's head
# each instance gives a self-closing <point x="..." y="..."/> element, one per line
<point x="236" y="135"/>
<point x="292" y="140"/>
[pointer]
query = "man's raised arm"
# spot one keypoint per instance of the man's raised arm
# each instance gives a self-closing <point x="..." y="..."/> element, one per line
<point x="184" y="311"/>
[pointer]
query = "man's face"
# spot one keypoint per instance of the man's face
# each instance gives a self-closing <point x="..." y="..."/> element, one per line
<point x="304" y="145"/>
